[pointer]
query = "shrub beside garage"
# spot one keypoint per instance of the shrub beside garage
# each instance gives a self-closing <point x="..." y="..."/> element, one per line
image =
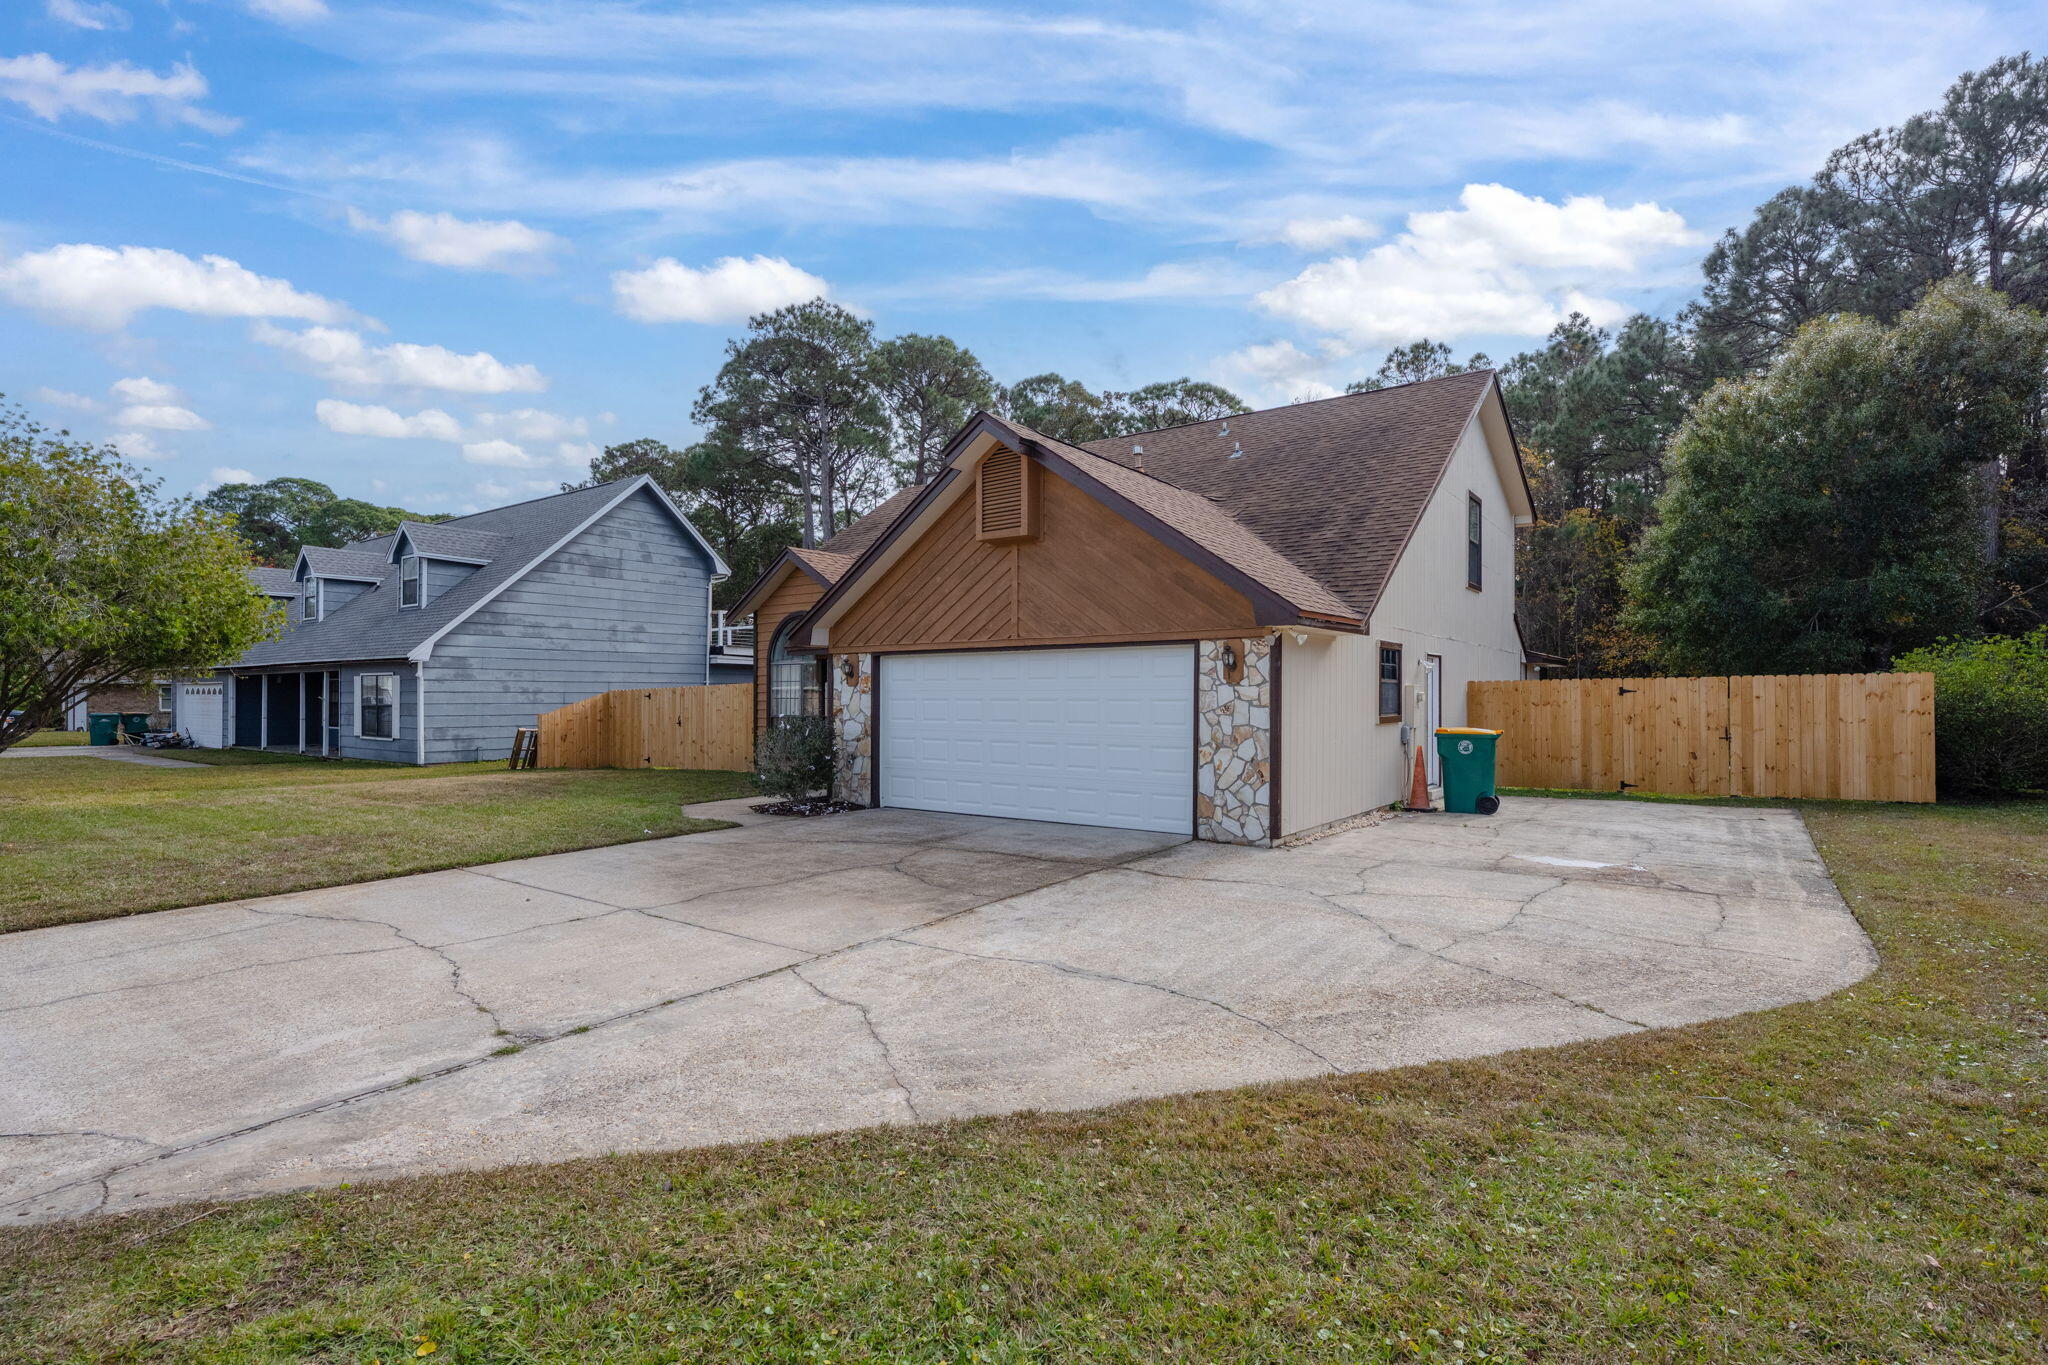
<point x="1990" y="712"/>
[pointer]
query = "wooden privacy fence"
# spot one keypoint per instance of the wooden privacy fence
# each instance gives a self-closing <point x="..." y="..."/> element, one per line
<point x="1852" y="736"/>
<point x="658" y="727"/>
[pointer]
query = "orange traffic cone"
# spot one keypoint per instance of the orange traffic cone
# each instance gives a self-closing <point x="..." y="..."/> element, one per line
<point x="1418" y="790"/>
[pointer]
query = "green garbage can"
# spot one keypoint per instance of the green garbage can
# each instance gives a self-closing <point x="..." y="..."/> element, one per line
<point x="135" y="722"/>
<point x="102" y="726"/>
<point x="1467" y="756"/>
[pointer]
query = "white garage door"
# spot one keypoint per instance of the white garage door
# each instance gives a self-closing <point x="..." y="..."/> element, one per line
<point x="1080" y="736"/>
<point x="198" y="714"/>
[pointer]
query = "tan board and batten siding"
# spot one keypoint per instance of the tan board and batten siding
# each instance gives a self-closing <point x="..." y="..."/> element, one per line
<point x="1336" y="756"/>
<point x="1088" y="576"/>
<point x="1847" y="736"/>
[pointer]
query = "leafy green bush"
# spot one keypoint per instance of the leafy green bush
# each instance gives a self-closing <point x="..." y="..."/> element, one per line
<point x="1990" y="712"/>
<point x="794" y="757"/>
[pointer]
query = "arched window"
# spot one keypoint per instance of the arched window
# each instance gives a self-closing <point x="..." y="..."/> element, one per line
<point x="796" y="682"/>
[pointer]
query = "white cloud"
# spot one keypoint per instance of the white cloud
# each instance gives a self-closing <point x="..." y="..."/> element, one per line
<point x="154" y="404"/>
<point x="86" y="14"/>
<point x="368" y="419"/>
<point x="138" y="445"/>
<point x="223" y="474"/>
<point x="1501" y="263"/>
<point x="467" y="244"/>
<point x="104" y="287"/>
<point x="513" y="490"/>
<point x="114" y="93"/>
<point x="342" y="356"/>
<point x="1171" y="280"/>
<point x="287" y="11"/>
<point x="578" y="453"/>
<point x="503" y="454"/>
<point x="1320" y="234"/>
<point x="59" y="398"/>
<point x="730" y="290"/>
<point x="532" y="424"/>
<point x="162" y="417"/>
<point x="142" y="389"/>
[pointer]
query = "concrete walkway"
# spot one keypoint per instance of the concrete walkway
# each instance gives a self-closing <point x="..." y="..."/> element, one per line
<point x="798" y="976"/>
<point x="114" y="753"/>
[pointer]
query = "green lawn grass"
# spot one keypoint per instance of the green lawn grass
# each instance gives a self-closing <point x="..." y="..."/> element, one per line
<point x="52" y="739"/>
<point x="86" y="839"/>
<point x="1864" y="1178"/>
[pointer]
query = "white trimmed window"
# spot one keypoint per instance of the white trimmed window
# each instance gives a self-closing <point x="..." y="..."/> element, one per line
<point x="409" y="581"/>
<point x="377" y="705"/>
<point x="309" y="601"/>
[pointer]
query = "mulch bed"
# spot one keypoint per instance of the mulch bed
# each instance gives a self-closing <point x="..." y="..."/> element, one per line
<point x="816" y="805"/>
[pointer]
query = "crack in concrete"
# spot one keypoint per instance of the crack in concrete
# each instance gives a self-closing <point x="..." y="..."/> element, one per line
<point x="867" y="1018"/>
<point x="84" y="1132"/>
<point x="1089" y="973"/>
<point x="168" y="1152"/>
<point x="1332" y="904"/>
<point x="455" y="982"/>
<point x="203" y="976"/>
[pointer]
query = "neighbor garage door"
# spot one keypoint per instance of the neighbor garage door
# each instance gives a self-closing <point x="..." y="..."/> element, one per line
<point x="199" y="713"/>
<point x="1080" y="736"/>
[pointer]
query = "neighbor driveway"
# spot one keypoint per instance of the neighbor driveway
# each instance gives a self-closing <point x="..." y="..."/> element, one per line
<point x="798" y="976"/>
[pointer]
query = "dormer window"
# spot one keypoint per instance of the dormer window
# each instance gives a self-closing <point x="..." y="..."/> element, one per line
<point x="309" y="600"/>
<point x="409" y="581"/>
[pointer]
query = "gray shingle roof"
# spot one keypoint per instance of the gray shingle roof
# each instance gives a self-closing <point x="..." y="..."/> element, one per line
<point x="452" y="540"/>
<point x="373" y="626"/>
<point x="343" y="563"/>
<point x="276" y="582"/>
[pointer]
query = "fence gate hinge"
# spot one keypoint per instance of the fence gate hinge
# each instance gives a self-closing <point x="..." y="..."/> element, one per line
<point x="1625" y="691"/>
<point x="1624" y="786"/>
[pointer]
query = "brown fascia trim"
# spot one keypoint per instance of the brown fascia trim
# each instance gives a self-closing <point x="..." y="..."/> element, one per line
<point x="1267" y="605"/>
<point x="746" y="606"/>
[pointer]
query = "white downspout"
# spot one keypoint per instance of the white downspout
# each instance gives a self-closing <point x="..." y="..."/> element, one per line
<point x="419" y="692"/>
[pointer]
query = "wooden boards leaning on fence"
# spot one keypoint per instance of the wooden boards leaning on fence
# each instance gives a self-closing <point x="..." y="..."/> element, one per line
<point x="1845" y="736"/>
<point x="659" y="727"/>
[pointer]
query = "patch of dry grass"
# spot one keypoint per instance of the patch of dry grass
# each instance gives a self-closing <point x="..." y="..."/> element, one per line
<point x="1858" y="1179"/>
<point x="84" y="839"/>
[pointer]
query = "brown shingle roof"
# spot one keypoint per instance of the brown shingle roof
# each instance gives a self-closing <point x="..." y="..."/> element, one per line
<point x="868" y="529"/>
<point x="1335" y="485"/>
<point x="828" y="565"/>
<point x="1206" y="524"/>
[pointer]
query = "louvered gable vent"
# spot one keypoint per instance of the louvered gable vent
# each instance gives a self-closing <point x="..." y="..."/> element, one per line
<point x="1003" y="503"/>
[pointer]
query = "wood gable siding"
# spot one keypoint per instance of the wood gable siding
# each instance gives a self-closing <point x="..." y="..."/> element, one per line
<point x="796" y="593"/>
<point x="1087" y="576"/>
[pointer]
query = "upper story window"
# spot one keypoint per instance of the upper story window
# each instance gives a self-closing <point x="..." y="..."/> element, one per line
<point x="409" y="581"/>
<point x="1472" y="554"/>
<point x="309" y="600"/>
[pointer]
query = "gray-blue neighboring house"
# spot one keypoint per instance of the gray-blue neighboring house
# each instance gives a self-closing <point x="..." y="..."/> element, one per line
<point x="435" y="643"/>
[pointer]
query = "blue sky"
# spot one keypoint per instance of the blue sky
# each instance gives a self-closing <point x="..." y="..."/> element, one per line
<point x="436" y="254"/>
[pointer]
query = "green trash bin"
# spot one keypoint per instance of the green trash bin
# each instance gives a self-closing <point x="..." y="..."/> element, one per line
<point x="135" y="722"/>
<point x="1467" y="756"/>
<point x="102" y="726"/>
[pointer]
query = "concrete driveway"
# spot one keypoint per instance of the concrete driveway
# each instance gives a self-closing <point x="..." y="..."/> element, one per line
<point x="798" y="976"/>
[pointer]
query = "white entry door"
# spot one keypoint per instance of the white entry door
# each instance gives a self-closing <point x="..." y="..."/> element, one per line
<point x="199" y="713"/>
<point x="1078" y="736"/>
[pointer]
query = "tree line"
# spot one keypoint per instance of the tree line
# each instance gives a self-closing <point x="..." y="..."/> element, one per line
<point x="1836" y="452"/>
<point x="812" y="420"/>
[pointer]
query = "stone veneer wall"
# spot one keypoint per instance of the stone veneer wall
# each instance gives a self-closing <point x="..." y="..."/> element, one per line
<point x="1234" y="732"/>
<point x="853" y="723"/>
